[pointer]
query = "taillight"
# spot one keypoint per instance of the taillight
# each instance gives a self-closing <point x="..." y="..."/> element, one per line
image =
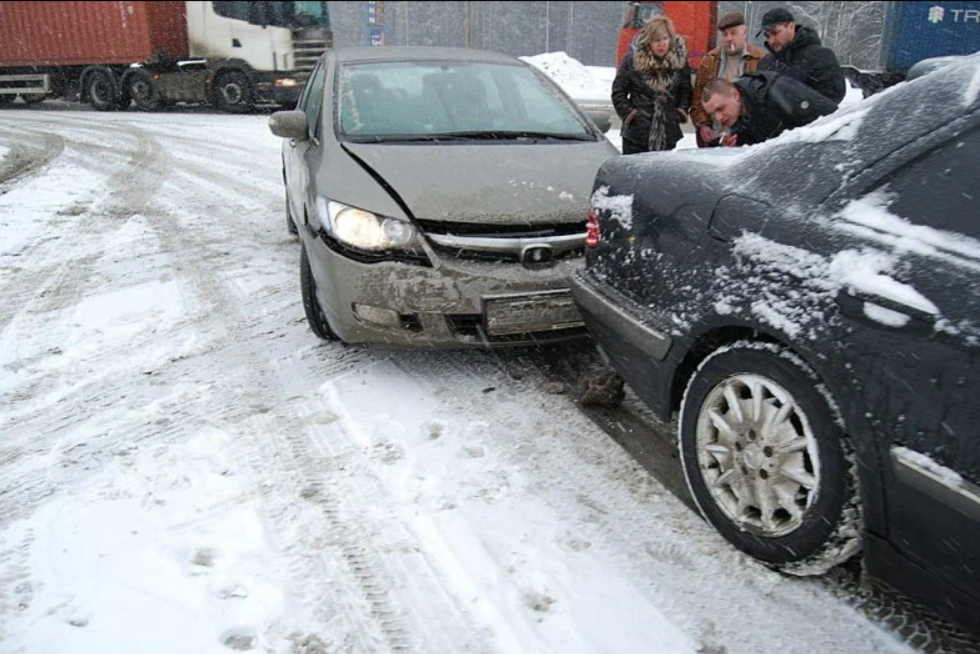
<point x="592" y="230"/>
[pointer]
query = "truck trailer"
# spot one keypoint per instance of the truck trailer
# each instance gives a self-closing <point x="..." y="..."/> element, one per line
<point x="112" y="55"/>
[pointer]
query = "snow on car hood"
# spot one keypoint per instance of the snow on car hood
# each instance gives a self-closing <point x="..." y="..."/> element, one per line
<point x="490" y="182"/>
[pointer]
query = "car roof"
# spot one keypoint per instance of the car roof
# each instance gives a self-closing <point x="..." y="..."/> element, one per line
<point x="420" y="53"/>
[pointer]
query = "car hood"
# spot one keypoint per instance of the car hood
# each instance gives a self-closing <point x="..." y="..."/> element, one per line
<point x="489" y="183"/>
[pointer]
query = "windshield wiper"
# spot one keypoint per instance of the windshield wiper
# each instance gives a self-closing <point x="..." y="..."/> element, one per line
<point x="513" y="135"/>
<point x="474" y="135"/>
<point x="406" y="138"/>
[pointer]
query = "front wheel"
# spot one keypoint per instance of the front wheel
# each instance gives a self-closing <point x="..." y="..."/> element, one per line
<point x="144" y="90"/>
<point x="314" y="314"/>
<point x="233" y="92"/>
<point x="766" y="461"/>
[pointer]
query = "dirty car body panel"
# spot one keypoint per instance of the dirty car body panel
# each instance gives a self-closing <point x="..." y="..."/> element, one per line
<point x="769" y="244"/>
<point x="491" y="204"/>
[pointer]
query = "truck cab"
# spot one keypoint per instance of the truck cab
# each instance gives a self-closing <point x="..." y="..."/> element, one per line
<point x="258" y="51"/>
<point x="233" y="55"/>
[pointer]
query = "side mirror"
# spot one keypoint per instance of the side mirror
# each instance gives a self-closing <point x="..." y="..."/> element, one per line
<point x="602" y="120"/>
<point x="290" y="125"/>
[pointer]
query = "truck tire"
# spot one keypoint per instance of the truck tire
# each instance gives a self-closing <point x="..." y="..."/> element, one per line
<point x="100" y="88"/>
<point x="233" y="92"/>
<point x="144" y="90"/>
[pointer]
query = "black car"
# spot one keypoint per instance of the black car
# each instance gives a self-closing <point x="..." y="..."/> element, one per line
<point x="810" y="307"/>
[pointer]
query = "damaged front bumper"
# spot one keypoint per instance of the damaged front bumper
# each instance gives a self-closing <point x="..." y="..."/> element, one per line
<point x="455" y="303"/>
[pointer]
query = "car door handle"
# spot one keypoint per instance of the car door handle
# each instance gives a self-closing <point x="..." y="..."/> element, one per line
<point x="881" y="311"/>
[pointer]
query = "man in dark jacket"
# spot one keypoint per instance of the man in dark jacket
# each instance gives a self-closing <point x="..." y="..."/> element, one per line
<point x="795" y="50"/>
<point x="762" y="105"/>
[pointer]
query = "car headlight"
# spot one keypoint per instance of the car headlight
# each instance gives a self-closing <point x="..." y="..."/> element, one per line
<point x="286" y="82"/>
<point x="364" y="230"/>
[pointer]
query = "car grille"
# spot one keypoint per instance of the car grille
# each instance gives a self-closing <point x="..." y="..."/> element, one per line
<point x="309" y="46"/>
<point x="503" y="243"/>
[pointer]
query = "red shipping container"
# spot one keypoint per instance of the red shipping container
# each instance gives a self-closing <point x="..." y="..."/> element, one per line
<point x="697" y="22"/>
<point x="80" y="33"/>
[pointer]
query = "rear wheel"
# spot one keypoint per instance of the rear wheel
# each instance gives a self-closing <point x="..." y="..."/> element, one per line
<point x="144" y="90"/>
<point x="314" y="314"/>
<point x="766" y="462"/>
<point x="233" y="92"/>
<point x="101" y="91"/>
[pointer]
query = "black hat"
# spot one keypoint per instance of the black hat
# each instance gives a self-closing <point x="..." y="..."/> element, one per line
<point x="731" y="19"/>
<point x="773" y="17"/>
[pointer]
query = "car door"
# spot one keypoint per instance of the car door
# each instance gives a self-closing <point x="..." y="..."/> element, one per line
<point x="915" y="348"/>
<point x="297" y="165"/>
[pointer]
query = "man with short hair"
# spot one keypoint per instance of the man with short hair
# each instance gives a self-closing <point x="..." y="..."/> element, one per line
<point x="762" y="105"/>
<point x="795" y="50"/>
<point x="735" y="57"/>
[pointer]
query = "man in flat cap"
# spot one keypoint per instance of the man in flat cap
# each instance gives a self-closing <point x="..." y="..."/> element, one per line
<point x="735" y="57"/>
<point x="795" y="50"/>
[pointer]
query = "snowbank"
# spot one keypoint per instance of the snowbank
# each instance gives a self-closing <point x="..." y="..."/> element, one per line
<point x="582" y="83"/>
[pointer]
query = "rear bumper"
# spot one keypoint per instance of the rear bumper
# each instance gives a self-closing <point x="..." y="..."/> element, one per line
<point x="604" y="311"/>
<point x="636" y="346"/>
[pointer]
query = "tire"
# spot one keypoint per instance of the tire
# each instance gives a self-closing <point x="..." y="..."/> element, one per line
<point x="144" y="91"/>
<point x="232" y="92"/>
<point x="314" y="314"/>
<point x="802" y="514"/>
<point x="290" y="223"/>
<point x="100" y="88"/>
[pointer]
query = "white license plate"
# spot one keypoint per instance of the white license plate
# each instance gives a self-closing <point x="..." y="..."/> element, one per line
<point x="518" y="314"/>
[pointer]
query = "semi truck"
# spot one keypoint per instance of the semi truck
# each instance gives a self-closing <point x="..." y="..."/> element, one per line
<point x="114" y="55"/>
<point x="915" y="32"/>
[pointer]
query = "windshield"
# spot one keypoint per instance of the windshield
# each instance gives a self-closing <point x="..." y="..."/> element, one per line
<point x="641" y="12"/>
<point x="297" y="14"/>
<point x="403" y="101"/>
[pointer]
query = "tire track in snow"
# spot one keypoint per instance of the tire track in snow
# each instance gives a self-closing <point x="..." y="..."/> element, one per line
<point x="142" y="174"/>
<point x="25" y="159"/>
<point x="69" y="257"/>
<point x="692" y="576"/>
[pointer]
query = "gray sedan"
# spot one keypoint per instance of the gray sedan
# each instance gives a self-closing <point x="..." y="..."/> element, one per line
<point x="440" y="196"/>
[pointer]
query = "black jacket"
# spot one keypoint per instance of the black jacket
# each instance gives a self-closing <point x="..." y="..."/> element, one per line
<point x="773" y="103"/>
<point x="804" y="59"/>
<point x="630" y="91"/>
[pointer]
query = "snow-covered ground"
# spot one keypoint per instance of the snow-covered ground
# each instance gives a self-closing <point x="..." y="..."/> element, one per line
<point x="185" y="468"/>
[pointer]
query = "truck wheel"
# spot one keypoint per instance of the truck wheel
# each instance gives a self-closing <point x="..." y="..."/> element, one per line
<point x="144" y="90"/>
<point x="233" y="92"/>
<point x="101" y="91"/>
<point x="766" y="461"/>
